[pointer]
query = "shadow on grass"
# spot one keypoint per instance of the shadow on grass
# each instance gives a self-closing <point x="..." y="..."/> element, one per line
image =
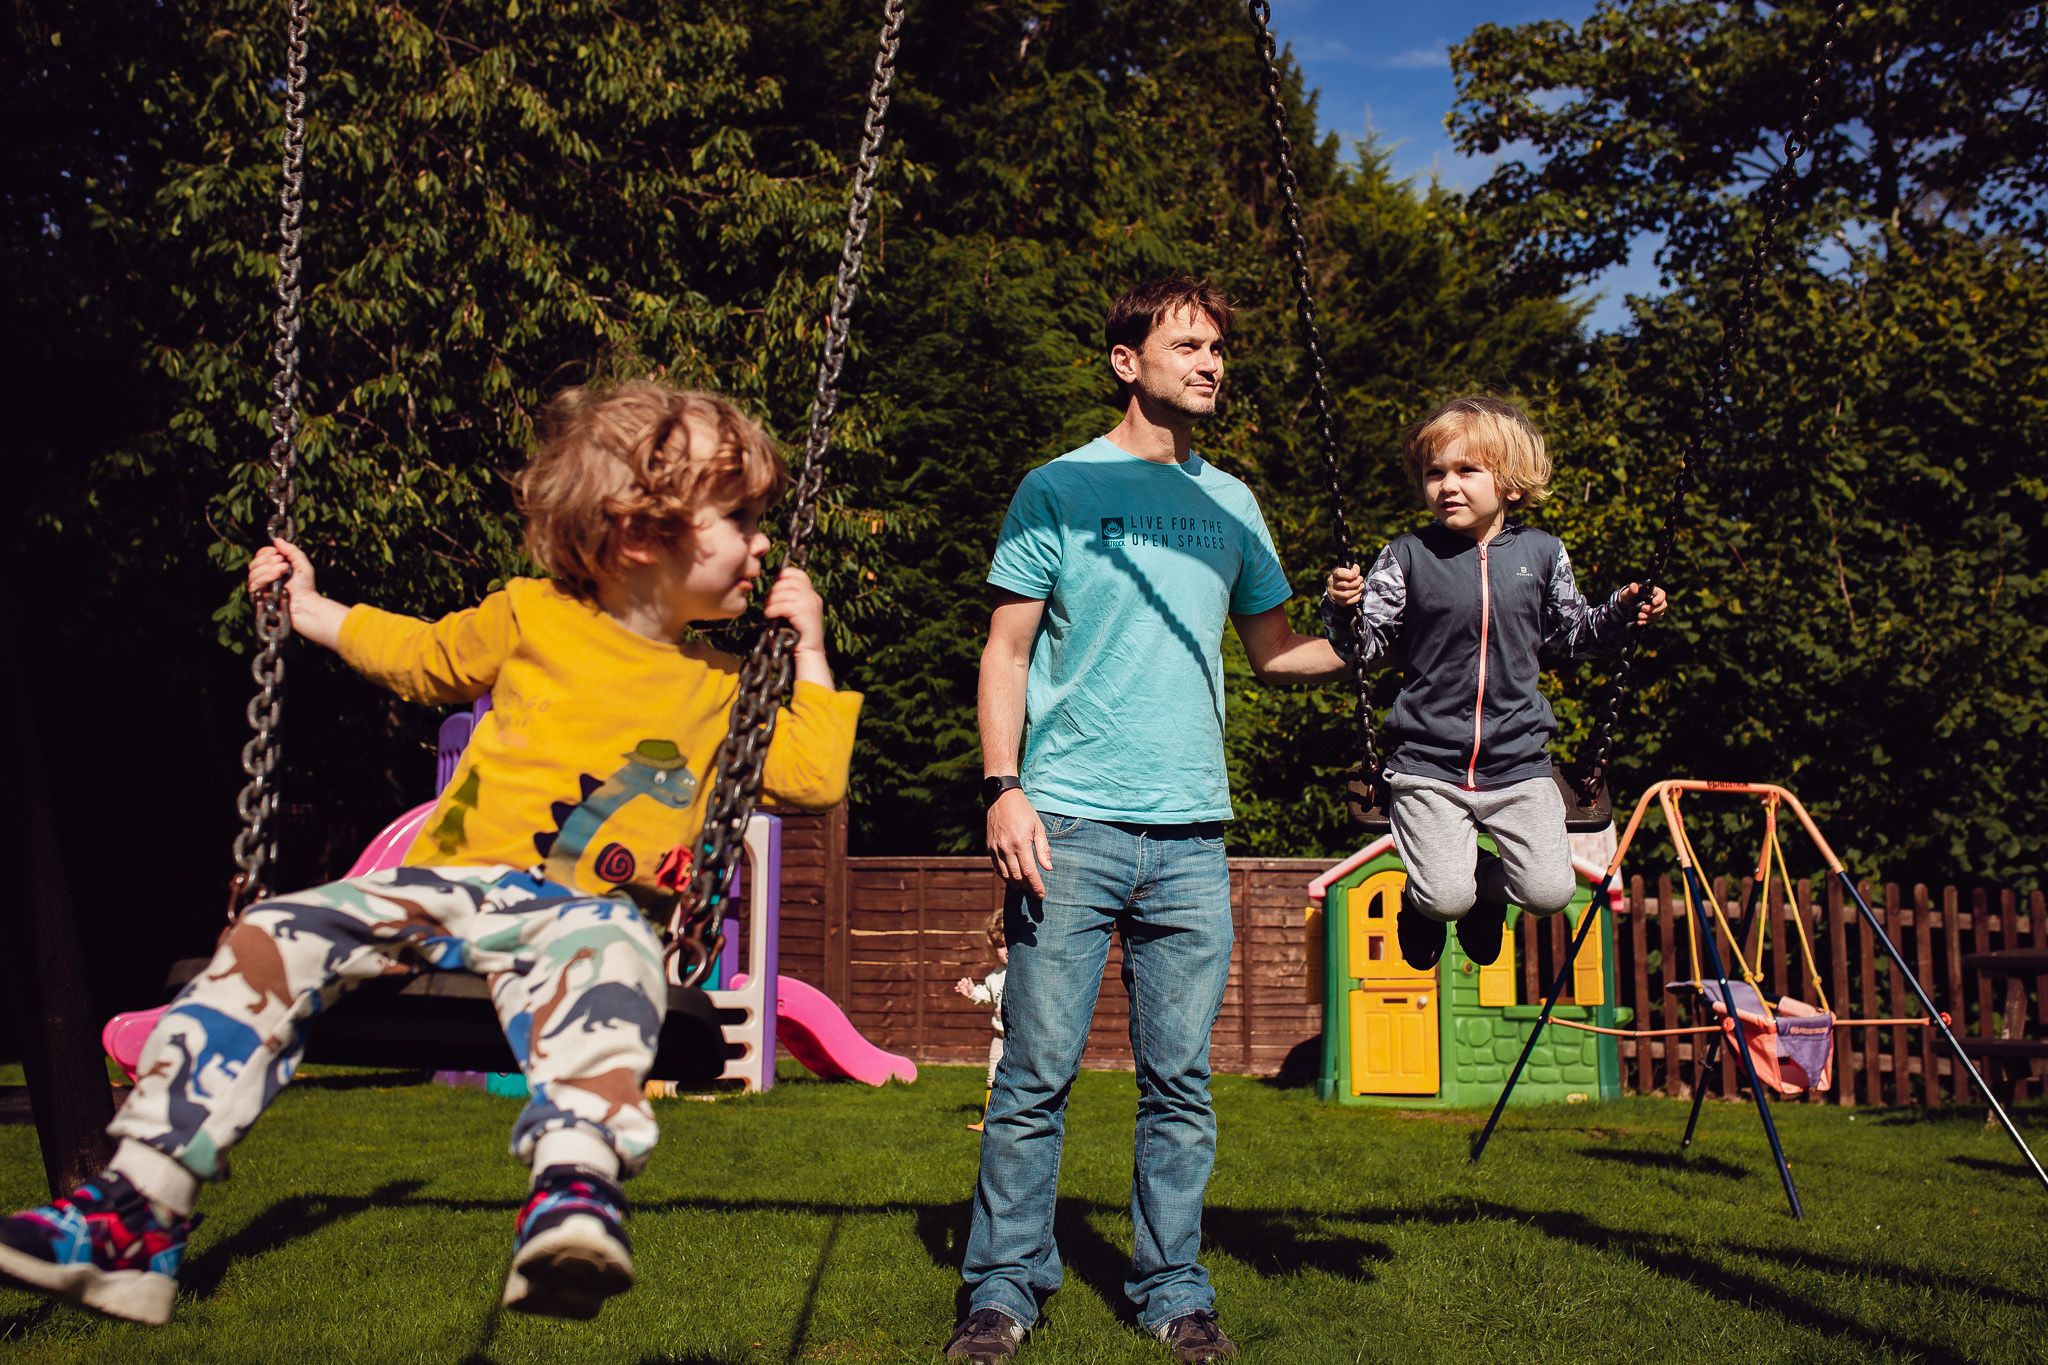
<point x="1272" y="1241"/>
<point x="801" y="1333"/>
<point x="283" y="1223"/>
<point x="2032" y="1113"/>
<point x="1709" y="1268"/>
<point x="2018" y="1170"/>
<point x="21" y="1324"/>
<point x="1667" y="1161"/>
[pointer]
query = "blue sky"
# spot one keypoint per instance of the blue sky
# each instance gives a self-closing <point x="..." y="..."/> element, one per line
<point x="1383" y="67"/>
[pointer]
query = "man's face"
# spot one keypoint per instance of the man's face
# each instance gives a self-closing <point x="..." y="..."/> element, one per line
<point x="1180" y="366"/>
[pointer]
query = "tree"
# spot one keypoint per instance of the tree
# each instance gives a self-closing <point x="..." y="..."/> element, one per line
<point x="1643" y="118"/>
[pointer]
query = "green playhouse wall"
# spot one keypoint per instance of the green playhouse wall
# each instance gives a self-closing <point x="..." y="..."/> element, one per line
<point x="1478" y="1043"/>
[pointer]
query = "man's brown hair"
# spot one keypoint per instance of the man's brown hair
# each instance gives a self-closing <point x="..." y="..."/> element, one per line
<point x="1133" y="316"/>
<point x="634" y="463"/>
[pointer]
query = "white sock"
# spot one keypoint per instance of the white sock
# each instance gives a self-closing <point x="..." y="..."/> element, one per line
<point x="163" y="1180"/>
<point x="576" y="1146"/>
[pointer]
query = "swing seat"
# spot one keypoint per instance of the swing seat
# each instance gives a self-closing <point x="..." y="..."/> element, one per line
<point x="1370" y="802"/>
<point x="1793" y="1050"/>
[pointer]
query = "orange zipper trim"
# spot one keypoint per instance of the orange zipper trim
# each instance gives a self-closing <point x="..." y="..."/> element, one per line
<point x="1479" y="705"/>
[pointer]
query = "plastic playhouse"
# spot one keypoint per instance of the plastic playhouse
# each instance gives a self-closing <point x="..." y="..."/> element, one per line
<point x="1447" y="1037"/>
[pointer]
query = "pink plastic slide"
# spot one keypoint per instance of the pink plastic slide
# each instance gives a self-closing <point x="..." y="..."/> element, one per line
<point x="825" y="1040"/>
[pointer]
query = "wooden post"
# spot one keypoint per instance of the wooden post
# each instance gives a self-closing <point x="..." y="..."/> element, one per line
<point x="42" y="970"/>
<point x="837" y="894"/>
<point x="920" y="985"/>
<point x="1778" y="944"/>
<point x="1241" y="933"/>
<point x="1730" y="1086"/>
<point x="1838" y="989"/>
<point x="1866" y="961"/>
<point x="1923" y="960"/>
<point x="1667" y="930"/>
<point x="1899" y="1000"/>
<point x="1959" y="1010"/>
<point x="1638" y="937"/>
<point x="1980" y="942"/>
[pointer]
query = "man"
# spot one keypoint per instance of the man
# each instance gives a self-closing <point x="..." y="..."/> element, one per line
<point x="1116" y="568"/>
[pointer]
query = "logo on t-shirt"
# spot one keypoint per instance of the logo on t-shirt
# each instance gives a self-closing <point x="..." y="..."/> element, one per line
<point x="1113" y="530"/>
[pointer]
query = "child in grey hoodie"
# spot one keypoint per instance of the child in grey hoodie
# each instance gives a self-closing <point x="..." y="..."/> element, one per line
<point x="1471" y="602"/>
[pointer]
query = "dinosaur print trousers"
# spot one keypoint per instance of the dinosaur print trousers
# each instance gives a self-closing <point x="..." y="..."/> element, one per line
<point x="577" y="980"/>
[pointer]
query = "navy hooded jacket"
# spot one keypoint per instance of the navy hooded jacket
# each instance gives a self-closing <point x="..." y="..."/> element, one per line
<point x="1472" y="620"/>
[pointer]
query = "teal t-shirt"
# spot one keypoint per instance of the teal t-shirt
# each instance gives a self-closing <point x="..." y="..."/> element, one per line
<point x="1139" y="565"/>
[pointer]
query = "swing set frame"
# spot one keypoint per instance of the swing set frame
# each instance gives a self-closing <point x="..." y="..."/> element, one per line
<point x="1704" y="912"/>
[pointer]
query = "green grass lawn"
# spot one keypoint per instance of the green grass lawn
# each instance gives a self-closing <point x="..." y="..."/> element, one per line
<point x="370" y="1219"/>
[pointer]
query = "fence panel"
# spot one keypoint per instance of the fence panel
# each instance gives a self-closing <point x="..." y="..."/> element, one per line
<point x="887" y="938"/>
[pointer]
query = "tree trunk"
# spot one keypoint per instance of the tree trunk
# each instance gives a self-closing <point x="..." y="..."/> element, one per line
<point x="42" y="969"/>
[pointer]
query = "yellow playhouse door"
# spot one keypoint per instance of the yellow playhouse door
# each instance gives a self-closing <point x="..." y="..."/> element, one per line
<point x="1394" y="1036"/>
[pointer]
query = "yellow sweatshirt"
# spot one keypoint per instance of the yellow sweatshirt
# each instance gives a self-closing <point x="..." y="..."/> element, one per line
<point x="595" y="756"/>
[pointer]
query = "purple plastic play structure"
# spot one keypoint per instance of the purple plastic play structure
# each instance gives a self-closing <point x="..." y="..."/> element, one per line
<point x="816" y="1032"/>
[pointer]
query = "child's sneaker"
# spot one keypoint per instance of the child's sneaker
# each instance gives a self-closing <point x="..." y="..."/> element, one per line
<point x="571" y="1253"/>
<point x="1480" y="932"/>
<point x="1421" y="938"/>
<point x="103" y="1248"/>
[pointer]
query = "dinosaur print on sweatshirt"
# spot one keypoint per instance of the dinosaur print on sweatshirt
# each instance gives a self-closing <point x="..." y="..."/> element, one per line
<point x="656" y="769"/>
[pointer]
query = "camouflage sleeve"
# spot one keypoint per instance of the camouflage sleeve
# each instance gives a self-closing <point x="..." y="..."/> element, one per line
<point x="1386" y="595"/>
<point x="1574" y="627"/>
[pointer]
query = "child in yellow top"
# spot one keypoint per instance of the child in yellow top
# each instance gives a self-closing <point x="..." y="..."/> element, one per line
<point x="576" y="804"/>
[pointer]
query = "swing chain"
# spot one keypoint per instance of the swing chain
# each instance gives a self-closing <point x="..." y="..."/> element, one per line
<point x="1771" y="201"/>
<point x="736" y="784"/>
<point x="1283" y="151"/>
<point x="256" y="844"/>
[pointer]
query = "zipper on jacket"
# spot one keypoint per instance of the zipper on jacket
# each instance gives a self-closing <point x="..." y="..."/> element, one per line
<point x="1479" y="703"/>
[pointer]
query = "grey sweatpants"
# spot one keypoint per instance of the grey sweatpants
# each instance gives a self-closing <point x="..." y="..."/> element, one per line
<point x="1436" y="830"/>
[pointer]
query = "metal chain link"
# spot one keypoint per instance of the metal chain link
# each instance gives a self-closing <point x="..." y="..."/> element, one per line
<point x="736" y="783"/>
<point x="1319" y="392"/>
<point x="1772" y="200"/>
<point x="256" y="843"/>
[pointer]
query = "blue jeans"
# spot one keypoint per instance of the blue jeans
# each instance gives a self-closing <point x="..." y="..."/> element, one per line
<point x="1166" y="890"/>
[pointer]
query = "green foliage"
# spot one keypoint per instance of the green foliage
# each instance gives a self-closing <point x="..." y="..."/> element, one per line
<point x="503" y="200"/>
<point x="1857" y="606"/>
<point x="1643" y="116"/>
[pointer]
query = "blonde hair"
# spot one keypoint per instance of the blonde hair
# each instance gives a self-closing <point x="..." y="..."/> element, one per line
<point x="634" y="462"/>
<point x="1498" y="434"/>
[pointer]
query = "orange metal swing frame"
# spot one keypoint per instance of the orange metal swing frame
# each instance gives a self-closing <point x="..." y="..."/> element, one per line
<point x="1666" y="796"/>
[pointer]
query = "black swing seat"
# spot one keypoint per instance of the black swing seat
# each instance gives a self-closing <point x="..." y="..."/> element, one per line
<point x="1369" y="802"/>
<point x="443" y="1021"/>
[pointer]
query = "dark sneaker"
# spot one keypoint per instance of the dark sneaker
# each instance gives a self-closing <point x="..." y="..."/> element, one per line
<point x="1422" y="938"/>
<point x="571" y="1253"/>
<point x="1479" y="933"/>
<point x="987" y="1337"/>
<point x="1196" y="1339"/>
<point x="103" y="1248"/>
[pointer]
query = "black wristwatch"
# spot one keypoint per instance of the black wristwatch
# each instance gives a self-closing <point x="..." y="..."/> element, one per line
<point x="992" y="788"/>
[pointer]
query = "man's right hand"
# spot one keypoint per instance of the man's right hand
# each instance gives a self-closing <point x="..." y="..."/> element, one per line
<point x="1016" y="841"/>
<point x="1346" y="585"/>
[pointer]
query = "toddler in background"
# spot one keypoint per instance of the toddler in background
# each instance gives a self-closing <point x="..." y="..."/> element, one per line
<point x="990" y="993"/>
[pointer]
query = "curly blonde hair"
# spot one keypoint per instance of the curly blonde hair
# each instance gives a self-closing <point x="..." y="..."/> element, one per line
<point x="634" y="463"/>
<point x="1498" y="433"/>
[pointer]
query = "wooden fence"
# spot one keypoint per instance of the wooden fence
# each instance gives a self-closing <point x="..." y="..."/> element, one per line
<point x="887" y="938"/>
